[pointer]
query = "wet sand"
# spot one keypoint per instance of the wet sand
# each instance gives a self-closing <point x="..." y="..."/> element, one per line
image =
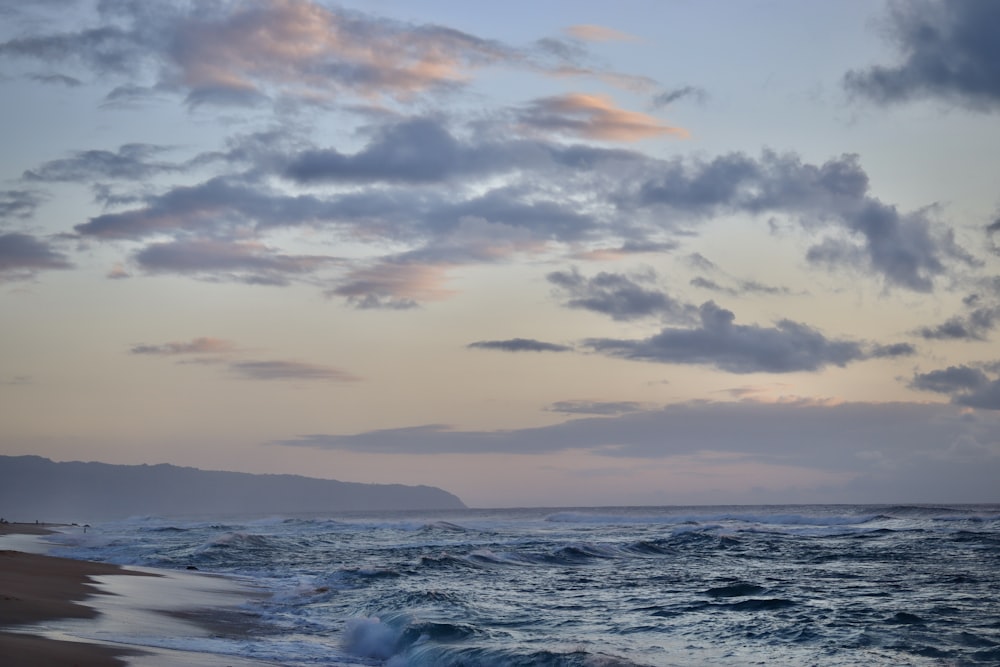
<point x="45" y="602"/>
<point x="36" y="588"/>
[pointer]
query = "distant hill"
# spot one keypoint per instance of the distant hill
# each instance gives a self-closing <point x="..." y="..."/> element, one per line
<point x="32" y="487"/>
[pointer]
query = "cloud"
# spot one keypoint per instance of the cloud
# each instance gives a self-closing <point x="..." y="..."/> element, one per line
<point x="118" y="272"/>
<point x="668" y="97"/>
<point x="528" y="192"/>
<point x="626" y="249"/>
<point x="891" y="351"/>
<point x="518" y="345"/>
<point x="394" y="285"/>
<point x="609" y="408"/>
<point x="214" y="205"/>
<point x="249" y="369"/>
<point x="838" y="434"/>
<point x="880" y="452"/>
<point x="974" y="326"/>
<point x="743" y="287"/>
<point x="981" y="316"/>
<point x="948" y="50"/>
<point x="243" y="53"/>
<point x="787" y="347"/>
<point x="289" y="370"/>
<point x="598" y="33"/>
<point x="246" y="262"/>
<point x="904" y="248"/>
<point x="415" y="151"/>
<point x="423" y="150"/>
<point x="967" y="385"/>
<point x="61" y="79"/>
<point x="592" y="117"/>
<point x="622" y="297"/>
<point x="22" y="256"/>
<point x="130" y="162"/>
<point x="202" y="345"/>
<point x="19" y="203"/>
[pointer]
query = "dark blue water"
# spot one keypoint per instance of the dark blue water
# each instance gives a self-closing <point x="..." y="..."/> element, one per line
<point x="792" y="585"/>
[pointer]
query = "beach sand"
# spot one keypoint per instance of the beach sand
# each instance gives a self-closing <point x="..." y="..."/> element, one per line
<point x="48" y="603"/>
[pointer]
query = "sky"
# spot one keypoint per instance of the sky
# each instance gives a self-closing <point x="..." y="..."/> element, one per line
<point x="536" y="254"/>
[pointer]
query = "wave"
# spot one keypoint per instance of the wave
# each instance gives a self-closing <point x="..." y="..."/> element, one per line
<point x="236" y="540"/>
<point x="446" y="526"/>
<point x="766" y="518"/>
<point x="764" y="604"/>
<point x="402" y="642"/>
<point x="734" y="590"/>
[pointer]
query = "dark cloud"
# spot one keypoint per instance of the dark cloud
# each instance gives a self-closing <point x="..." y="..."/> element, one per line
<point x="19" y="203"/>
<point x="743" y="287"/>
<point x="609" y="408"/>
<point x="130" y="162"/>
<point x="699" y="261"/>
<point x="622" y="297"/>
<point x="840" y="436"/>
<point x="518" y="345"/>
<point x="786" y="347"/>
<point x="23" y="255"/>
<point x="417" y="151"/>
<point x="981" y="316"/>
<point x="967" y="385"/>
<point x="289" y="370"/>
<point x="881" y="451"/>
<point x="424" y="150"/>
<point x="948" y="49"/>
<point x="130" y="96"/>
<point x="951" y="379"/>
<point x="549" y="192"/>
<point x="891" y="351"/>
<point x="546" y="218"/>
<point x="213" y="206"/>
<point x="976" y="326"/>
<point x="904" y="248"/>
<point x="202" y="345"/>
<point x="61" y="79"/>
<point x="105" y="50"/>
<point x="668" y="97"/>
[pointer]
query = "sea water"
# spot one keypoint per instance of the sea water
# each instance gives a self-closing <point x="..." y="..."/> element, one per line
<point x="792" y="585"/>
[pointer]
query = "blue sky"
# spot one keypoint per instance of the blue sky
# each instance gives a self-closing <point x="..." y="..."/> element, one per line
<point x="535" y="254"/>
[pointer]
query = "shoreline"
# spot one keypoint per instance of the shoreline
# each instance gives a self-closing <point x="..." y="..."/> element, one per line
<point x="62" y="612"/>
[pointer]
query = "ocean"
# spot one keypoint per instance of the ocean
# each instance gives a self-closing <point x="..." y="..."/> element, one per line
<point x="591" y="587"/>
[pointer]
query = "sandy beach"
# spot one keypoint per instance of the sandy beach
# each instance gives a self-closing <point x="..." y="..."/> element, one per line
<point x="35" y="588"/>
<point x="42" y="595"/>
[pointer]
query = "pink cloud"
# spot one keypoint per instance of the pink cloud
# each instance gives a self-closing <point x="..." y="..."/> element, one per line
<point x="594" y="117"/>
<point x="598" y="33"/>
<point x="395" y="285"/>
<point x="309" y="50"/>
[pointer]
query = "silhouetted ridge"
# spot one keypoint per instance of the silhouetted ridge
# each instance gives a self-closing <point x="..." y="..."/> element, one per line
<point x="32" y="487"/>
